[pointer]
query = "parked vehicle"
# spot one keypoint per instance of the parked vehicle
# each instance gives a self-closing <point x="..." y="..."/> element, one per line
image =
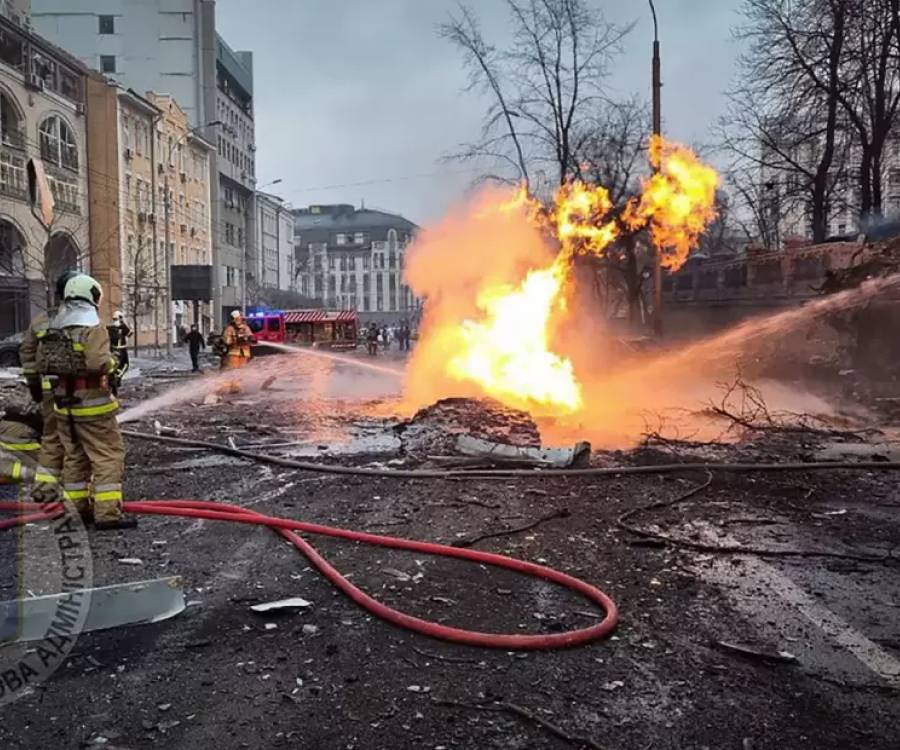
<point x="328" y="329"/>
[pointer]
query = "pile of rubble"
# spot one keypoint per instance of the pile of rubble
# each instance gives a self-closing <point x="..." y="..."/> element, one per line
<point x="434" y="430"/>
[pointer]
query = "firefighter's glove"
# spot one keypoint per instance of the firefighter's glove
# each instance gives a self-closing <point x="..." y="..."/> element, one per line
<point x="46" y="492"/>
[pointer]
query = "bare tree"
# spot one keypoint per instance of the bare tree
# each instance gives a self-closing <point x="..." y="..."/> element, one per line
<point x="870" y="93"/>
<point x="783" y="116"/>
<point x="544" y="88"/>
<point x="50" y="250"/>
<point x="141" y="286"/>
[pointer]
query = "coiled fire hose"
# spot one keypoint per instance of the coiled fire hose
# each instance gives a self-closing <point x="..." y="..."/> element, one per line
<point x="214" y="511"/>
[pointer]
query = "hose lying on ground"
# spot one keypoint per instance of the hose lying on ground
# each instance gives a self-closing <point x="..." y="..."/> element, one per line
<point x="288" y="529"/>
<point x="504" y="473"/>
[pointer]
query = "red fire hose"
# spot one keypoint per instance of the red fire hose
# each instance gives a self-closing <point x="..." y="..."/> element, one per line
<point x="287" y="528"/>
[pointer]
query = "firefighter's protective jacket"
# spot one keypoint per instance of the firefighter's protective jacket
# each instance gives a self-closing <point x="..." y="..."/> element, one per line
<point x="237" y="337"/>
<point x="86" y="395"/>
<point x="19" y="446"/>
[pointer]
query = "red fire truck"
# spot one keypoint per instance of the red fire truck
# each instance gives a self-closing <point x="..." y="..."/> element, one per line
<point x="328" y="329"/>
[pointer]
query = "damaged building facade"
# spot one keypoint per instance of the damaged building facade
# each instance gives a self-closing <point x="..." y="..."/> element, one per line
<point x="353" y="259"/>
<point x="42" y="117"/>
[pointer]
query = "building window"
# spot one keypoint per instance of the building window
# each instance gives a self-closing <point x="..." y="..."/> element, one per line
<point x="107" y="63"/>
<point x="58" y="143"/>
<point x="341" y="239"/>
<point x="359" y="238"/>
<point x="107" y="24"/>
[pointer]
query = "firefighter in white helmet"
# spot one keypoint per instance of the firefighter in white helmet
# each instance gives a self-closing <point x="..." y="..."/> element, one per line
<point x="76" y="350"/>
<point x="50" y="458"/>
<point x="237" y="336"/>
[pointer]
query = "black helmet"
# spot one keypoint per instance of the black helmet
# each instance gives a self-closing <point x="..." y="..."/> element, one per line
<point x="62" y="281"/>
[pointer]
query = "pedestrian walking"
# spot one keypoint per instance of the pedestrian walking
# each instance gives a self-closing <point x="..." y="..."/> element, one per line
<point x="195" y="342"/>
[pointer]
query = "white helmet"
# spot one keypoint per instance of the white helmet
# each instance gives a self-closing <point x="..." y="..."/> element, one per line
<point x="117" y="315"/>
<point x="83" y="287"/>
<point x="235" y="314"/>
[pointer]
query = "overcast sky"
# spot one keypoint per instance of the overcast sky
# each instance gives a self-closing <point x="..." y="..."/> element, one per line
<point x="364" y="91"/>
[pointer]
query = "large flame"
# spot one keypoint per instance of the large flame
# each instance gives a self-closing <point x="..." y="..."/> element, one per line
<point x="508" y="351"/>
<point x="677" y="202"/>
<point x="496" y="282"/>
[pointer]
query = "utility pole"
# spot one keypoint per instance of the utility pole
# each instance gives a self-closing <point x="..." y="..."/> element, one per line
<point x="657" y="131"/>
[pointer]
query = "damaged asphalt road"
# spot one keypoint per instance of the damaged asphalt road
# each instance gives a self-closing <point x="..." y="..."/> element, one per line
<point x="330" y="676"/>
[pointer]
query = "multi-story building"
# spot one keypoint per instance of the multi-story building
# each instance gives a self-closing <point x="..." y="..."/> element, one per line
<point x="41" y="118"/>
<point x="784" y="194"/>
<point x="171" y="46"/>
<point x="275" y="222"/>
<point x="350" y="258"/>
<point x="183" y="158"/>
<point x="238" y="255"/>
<point x="138" y="145"/>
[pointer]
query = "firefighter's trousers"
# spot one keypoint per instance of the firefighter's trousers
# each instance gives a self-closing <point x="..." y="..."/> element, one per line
<point x="50" y="459"/>
<point x="94" y="466"/>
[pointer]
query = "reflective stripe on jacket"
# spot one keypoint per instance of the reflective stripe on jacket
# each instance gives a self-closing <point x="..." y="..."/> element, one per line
<point x="88" y="404"/>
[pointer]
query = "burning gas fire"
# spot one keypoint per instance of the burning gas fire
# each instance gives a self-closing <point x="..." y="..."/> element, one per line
<point x="496" y="280"/>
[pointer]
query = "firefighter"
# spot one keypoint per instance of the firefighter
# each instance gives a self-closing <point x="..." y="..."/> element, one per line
<point x="118" y="341"/>
<point x="50" y="457"/>
<point x="21" y="424"/>
<point x="237" y="336"/>
<point x="75" y="349"/>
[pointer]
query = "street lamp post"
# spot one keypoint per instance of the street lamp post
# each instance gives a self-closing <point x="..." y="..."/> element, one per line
<point x="657" y="131"/>
<point x="167" y="210"/>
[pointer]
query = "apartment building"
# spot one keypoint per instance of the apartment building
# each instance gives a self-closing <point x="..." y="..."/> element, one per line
<point x="275" y="222"/>
<point x="42" y="117"/>
<point x="349" y="258"/>
<point x="171" y="47"/>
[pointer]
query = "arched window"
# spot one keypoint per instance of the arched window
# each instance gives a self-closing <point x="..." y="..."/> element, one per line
<point x="11" y="244"/>
<point x="10" y="123"/>
<point x="392" y="238"/>
<point x="58" y="144"/>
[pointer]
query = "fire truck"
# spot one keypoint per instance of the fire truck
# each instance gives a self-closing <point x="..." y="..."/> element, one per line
<point x="326" y="329"/>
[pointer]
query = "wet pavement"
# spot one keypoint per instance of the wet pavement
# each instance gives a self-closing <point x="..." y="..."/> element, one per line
<point x="822" y="586"/>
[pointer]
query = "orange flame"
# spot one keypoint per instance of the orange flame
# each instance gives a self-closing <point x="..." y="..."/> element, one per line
<point x="508" y="352"/>
<point x="495" y="292"/>
<point x="678" y="201"/>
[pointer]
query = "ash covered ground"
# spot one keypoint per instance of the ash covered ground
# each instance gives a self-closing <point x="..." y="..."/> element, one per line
<point x="821" y="586"/>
